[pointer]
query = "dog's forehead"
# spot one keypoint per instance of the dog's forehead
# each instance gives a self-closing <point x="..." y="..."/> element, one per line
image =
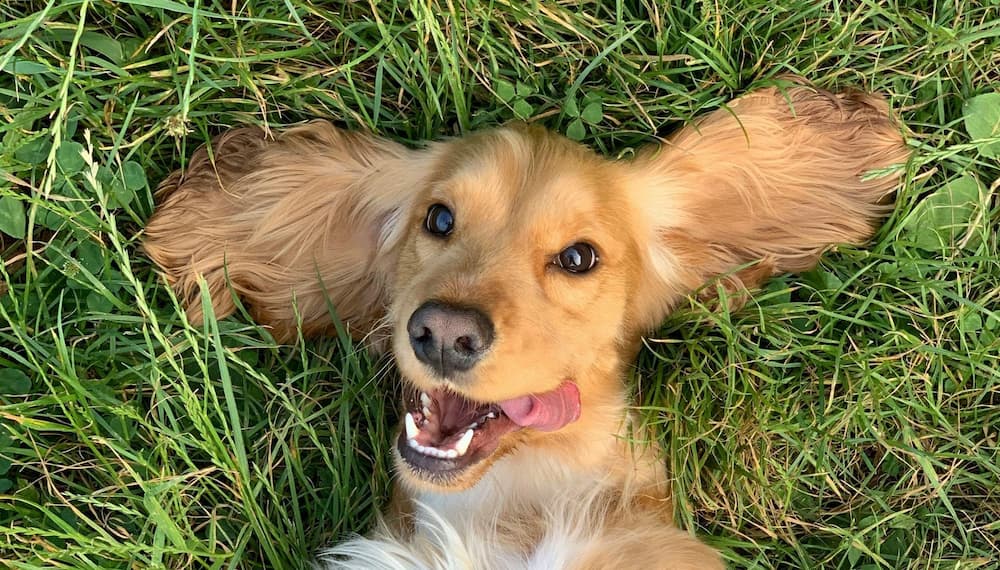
<point x="518" y="175"/>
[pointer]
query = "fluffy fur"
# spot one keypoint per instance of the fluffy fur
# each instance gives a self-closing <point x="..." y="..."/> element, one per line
<point x="321" y="218"/>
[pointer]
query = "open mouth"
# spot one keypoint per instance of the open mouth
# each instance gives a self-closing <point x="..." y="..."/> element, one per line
<point x="444" y="432"/>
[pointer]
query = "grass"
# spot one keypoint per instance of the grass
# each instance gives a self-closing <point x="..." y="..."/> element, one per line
<point x="849" y="418"/>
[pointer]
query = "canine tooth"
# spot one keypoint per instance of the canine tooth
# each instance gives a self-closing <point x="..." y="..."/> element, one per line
<point x="427" y="411"/>
<point x="474" y="425"/>
<point x="411" y="426"/>
<point x="425" y="400"/>
<point x="463" y="444"/>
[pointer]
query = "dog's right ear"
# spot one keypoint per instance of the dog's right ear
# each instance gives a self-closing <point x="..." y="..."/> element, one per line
<point x="292" y="225"/>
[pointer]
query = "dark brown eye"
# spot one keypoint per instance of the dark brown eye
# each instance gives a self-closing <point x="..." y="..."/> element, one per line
<point x="577" y="258"/>
<point x="439" y="220"/>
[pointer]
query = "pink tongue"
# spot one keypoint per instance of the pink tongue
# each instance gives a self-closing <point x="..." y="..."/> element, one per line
<point x="546" y="412"/>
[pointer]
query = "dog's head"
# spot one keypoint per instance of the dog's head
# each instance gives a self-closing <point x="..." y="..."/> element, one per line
<point x="511" y="302"/>
<point x="514" y="268"/>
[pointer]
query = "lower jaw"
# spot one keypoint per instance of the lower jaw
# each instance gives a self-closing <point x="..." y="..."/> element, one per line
<point x="442" y="483"/>
<point x="442" y="474"/>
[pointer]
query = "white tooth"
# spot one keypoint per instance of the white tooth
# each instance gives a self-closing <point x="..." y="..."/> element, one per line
<point x="491" y="415"/>
<point x="463" y="444"/>
<point x="473" y="425"/>
<point x="413" y="443"/>
<point x="427" y="412"/>
<point x="451" y="454"/>
<point x="425" y="400"/>
<point x="411" y="426"/>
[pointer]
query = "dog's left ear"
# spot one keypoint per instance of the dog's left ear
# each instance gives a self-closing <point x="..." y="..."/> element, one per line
<point x="761" y="187"/>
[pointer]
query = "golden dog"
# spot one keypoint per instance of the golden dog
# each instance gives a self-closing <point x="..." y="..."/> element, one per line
<point x="514" y="272"/>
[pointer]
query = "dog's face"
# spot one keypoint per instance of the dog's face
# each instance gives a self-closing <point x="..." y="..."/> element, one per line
<point x="514" y="278"/>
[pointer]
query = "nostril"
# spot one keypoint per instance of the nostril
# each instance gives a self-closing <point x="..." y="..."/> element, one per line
<point x="466" y="345"/>
<point x="424" y="334"/>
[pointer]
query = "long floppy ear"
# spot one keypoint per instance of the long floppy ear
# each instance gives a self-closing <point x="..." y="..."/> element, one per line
<point x="292" y="225"/>
<point x="761" y="187"/>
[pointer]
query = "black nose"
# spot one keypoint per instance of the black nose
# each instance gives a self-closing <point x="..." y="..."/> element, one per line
<point x="449" y="338"/>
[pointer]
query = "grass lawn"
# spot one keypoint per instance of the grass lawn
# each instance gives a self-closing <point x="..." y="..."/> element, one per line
<point x="849" y="418"/>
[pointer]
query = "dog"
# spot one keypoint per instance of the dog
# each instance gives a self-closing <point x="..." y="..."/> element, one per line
<point x="512" y="274"/>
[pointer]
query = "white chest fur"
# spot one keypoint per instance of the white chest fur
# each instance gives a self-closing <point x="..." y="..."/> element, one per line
<point x="467" y="529"/>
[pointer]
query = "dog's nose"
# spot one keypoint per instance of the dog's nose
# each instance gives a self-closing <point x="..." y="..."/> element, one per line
<point x="449" y="338"/>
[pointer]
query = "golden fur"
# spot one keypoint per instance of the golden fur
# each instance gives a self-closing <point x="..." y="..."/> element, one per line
<point x="321" y="218"/>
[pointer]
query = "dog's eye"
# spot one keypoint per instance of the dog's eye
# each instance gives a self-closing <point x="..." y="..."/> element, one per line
<point x="577" y="258"/>
<point x="439" y="221"/>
